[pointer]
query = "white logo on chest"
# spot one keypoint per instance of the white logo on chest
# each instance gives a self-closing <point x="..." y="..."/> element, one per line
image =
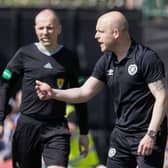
<point x="110" y="72"/>
<point x="48" y="66"/>
<point x="132" y="69"/>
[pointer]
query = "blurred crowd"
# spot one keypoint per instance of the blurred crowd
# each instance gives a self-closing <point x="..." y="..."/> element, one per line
<point x="128" y="4"/>
<point x="9" y="128"/>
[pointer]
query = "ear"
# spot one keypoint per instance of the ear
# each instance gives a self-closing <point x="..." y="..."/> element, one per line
<point x="59" y="29"/>
<point x="35" y="28"/>
<point x="116" y="33"/>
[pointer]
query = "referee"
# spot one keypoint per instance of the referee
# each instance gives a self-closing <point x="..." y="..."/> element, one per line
<point x="135" y="76"/>
<point x="42" y="130"/>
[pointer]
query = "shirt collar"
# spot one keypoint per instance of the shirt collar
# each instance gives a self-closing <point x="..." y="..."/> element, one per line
<point x="132" y="47"/>
<point x="43" y="50"/>
<point x="128" y="55"/>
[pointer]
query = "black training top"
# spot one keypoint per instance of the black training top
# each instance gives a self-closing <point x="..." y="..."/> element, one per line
<point x="60" y="70"/>
<point x="127" y="80"/>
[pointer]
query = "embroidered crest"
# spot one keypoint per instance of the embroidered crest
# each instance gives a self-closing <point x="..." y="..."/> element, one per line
<point x="111" y="152"/>
<point x="132" y="69"/>
<point x="60" y="83"/>
<point x="110" y="72"/>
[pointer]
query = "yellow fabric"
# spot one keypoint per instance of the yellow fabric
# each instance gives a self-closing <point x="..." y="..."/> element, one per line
<point x="75" y="159"/>
<point x="69" y="109"/>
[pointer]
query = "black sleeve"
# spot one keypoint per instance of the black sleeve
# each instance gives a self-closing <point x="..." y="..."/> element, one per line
<point x="99" y="70"/>
<point x="82" y="115"/>
<point x="72" y="118"/>
<point x="8" y="80"/>
<point x="152" y="67"/>
<point x="81" y="109"/>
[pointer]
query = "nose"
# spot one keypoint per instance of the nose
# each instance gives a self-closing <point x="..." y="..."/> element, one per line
<point x="45" y="30"/>
<point x="96" y="35"/>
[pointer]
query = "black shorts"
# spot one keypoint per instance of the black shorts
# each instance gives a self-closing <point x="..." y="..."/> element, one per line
<point x="123" y="151"/>
<point x="35" y="139"/>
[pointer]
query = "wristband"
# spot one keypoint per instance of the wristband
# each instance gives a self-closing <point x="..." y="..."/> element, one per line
<point x="151" y="133"/>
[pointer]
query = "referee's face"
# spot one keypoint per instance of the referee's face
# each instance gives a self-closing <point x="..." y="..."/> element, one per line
<point x="47" y="30"/>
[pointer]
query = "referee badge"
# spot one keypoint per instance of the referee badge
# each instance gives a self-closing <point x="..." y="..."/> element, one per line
<point x="111" y="152"/>
<point x="132" y="69"/>
<point x="60" y="83"/>
<point x="7" y="74"/>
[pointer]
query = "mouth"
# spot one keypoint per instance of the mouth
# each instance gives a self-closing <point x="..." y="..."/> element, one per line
<point x="45" y="39"/>
<point x="101" y="44"/>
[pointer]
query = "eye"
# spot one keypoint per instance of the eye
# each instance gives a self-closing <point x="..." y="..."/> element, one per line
<point x="100" y="31"/>
<point x="49" y="27"/>
<point x="40" y="28"/>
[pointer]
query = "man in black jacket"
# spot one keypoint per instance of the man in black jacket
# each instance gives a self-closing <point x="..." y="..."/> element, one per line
<point x="42" y="128"/>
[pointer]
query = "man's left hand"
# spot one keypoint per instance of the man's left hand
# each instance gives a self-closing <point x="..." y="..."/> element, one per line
<point x="146" y="146"/>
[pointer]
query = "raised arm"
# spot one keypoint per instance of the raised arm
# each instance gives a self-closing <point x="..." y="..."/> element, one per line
<point x="75" y="95"/>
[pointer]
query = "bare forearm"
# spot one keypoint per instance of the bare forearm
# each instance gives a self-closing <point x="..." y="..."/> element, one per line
<point x="74" y="95"/>
<point x="79" y="95"/>
<point x="159" y="90"/>
<point x="159" y="112"/>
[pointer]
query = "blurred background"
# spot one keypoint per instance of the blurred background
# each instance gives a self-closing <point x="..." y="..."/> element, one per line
<point x="148" y="20"/>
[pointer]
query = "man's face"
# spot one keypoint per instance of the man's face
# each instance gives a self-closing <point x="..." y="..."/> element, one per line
<point x="104" y="35"/>
<point x="47" y="31"/>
